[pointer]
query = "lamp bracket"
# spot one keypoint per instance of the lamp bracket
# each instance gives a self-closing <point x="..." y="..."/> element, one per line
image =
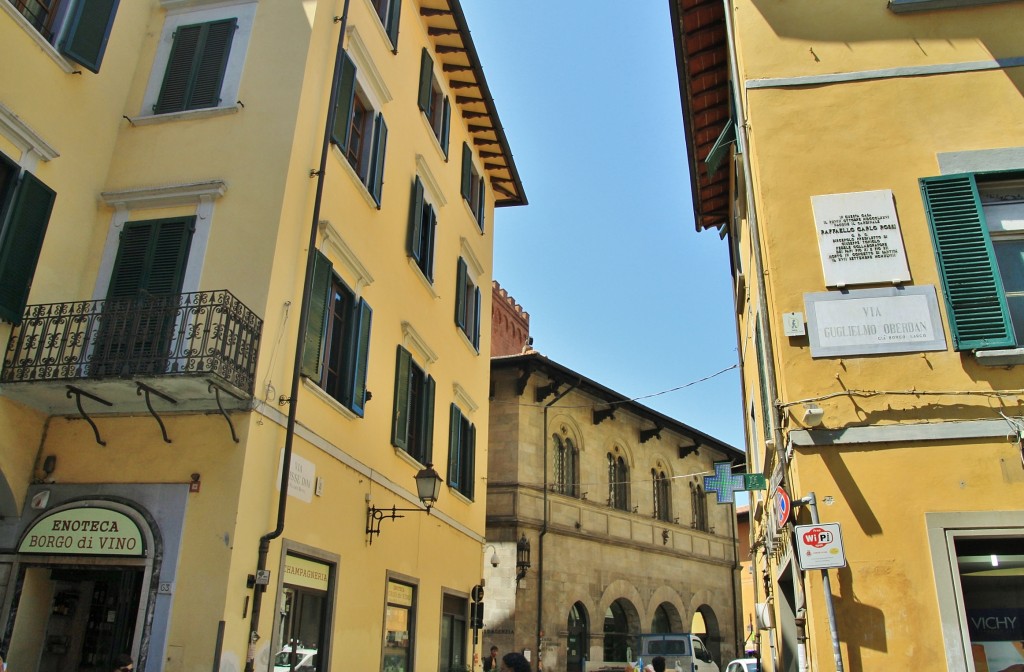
<point x="375" y="516"/>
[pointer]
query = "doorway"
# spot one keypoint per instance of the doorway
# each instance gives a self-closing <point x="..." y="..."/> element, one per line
<point x="74" y="619"/>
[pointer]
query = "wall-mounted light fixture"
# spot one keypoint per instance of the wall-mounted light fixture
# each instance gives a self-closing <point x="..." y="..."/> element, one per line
<point x="522" y="558"/>
<point x="813" y="415"/>
<point x="428" y="487"/>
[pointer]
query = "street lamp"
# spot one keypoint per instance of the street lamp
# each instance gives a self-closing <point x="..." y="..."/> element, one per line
<point x="522" y="558"/>
<point x="428" y="487"/>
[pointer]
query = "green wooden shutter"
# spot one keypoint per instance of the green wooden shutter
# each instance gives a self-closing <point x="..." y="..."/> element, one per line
<point x="211" y="64"/>
<point x="481" y="204"/>
<point x="380" y="141"/>
<point x="467" y="173"/>
<point x="720" y="150"/>
<point x="427" y="420"/>
<point x="88" y="32"/>
<point x="394" y="13"/>
<point x="21" y="238"/>
<point x="426" y="81"/>
<point x="476" y="318"/>
<point x="316" y="319"/>
<point x="460" y="294"/>
<point x="361" y="352"/>
<point x="151" y="258"/>
<point x="469" y="460"/>
<point x="454" y="434"/>
<point x="446" y="125"/>
<point x="346" y="93"/>
<point x="415" y="221"/>
<point x="401" y="411"/>
<point x="174" y="89"/>
<point x="431" y="225"/>
<point x="978" y="314"/>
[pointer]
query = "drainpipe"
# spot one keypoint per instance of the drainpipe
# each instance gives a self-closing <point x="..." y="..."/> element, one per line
<point x="755" y="243"/>
<point x="544" y="523"/>
<point x="264" y="546"/>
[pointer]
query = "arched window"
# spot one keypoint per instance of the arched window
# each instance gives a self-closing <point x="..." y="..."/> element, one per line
<point x="567" y="459"/>
<point x="662" y="495"/>
<point x="618" y="483"/>
<point x="699" y="504"/>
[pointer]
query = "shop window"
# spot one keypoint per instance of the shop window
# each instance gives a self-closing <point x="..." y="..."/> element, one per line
<point x="302" y="632"/>
<point x="990" y="570"/>
<point x="453" y="634"/>
<point x="399" y="627"/>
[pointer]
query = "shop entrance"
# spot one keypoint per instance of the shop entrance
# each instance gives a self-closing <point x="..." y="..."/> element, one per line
<point x="74" y="619"/>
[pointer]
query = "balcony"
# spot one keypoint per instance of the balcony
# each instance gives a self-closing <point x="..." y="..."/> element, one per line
<point x="181" y="353"/>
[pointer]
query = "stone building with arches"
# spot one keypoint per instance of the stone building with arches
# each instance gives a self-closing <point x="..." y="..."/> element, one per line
<point x="609" y="495"/>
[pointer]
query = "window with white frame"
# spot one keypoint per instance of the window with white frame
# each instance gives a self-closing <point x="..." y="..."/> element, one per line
<point x="359" y="130"/>
<point x="389" y="11"/>
<point x="461" y="452"/>
<point x="199" y="60"/>
<point x="77" y="29"/>
<point x="473" y="186"/>
<point x="422" y="228"/>
<point x="336" y="348"/>
<point x="432" y="101"/>
<point x="412" y="427"/>
<point x="467" y="303"/>
<point x="977" y="224"/>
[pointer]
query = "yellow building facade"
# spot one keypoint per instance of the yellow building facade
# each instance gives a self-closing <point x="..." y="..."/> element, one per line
<point x="864" y="161"/>
<point x="242" y="250"/>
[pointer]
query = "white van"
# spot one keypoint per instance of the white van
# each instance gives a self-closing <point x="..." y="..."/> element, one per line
<point x="682" y="651"/>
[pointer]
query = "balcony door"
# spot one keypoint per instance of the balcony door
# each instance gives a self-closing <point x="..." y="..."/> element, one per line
<point x="137" y="326"/>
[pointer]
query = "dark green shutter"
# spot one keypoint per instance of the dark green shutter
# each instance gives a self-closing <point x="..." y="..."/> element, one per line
<point x="213" y="61"/>
<point x="454" y="433"/>
<point x="415" y="221"/>
<point x="460" y="294"/>
<point x="361" y="352"/>
<point x="21" y="238"/>
<point x="446" y="123"/>
<point x="345" y="93"/>
<point x="401" y="411"/>
<point x="481" y="204"/>
<point x="431" y="225"/>
<point x="174" y="90"/>
<point x="88" y="32"/>
<point x="195" y="69"/>
<point x="975" y="299"/>
<point x="469" y="462"/>
<point x="476" y="319"/>
<point x="427" y="421"/>
<point x="720" y="150"/>
<point x="151" y="258"/>
<point x="316" y="319"/>
<point x="380" y="143"/>
<point x="426" y="81"/>
<point x="394" y="13"/>
<point x="467" y="173"/>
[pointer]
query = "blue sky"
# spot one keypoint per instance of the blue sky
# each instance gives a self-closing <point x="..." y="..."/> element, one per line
<point x="619" y="285"/>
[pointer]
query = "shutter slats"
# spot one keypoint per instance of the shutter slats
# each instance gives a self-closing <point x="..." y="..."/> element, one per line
<point x="21" y="243"/>
<point x="213" y="60"/>
<point x="89" y="31"/>
<point x="179" y="70"/>
<point x="973" y="290"/>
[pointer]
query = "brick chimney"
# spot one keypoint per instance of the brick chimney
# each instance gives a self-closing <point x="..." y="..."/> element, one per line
<point x="510" y="324"/>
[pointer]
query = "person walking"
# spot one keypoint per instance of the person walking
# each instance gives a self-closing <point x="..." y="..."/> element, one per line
<point x="491" y="661"/>
<point x="514" y="662"/>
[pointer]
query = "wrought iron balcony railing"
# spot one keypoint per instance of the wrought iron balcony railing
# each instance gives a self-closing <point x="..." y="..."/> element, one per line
<point x="199" y="334"/>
